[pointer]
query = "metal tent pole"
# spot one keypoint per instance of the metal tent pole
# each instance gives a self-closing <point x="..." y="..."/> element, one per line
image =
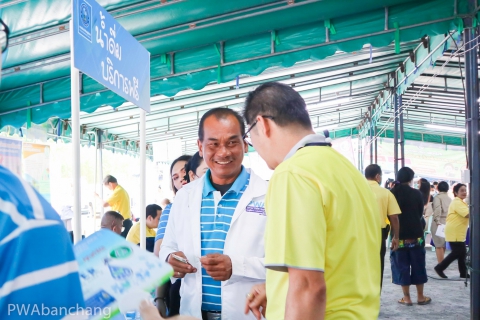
<point x="376" y="144"/>
<point x="94" y="206"/>
<point x="100" y="166"/>
<point x="75" y="102"/>
<point x="143" y="161"/>
<point x="395" y="132"/>
<point x="371" y="141"/>
<point x="472" y="134"/>
<point x="402" y="136"/>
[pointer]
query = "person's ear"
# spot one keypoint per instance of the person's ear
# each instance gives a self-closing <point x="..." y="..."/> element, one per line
<point x="264" y="126"/>
<point x="191" y="175"/>
<point x="200" y="148"/>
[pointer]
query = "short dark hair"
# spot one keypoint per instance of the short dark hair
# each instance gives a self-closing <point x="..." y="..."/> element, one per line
<point x="279" y="101"/>
<point x="109" y="179"/>
<point x="372" y="170"/>
<point x="220" y="113"/>
<point x="115" y="215"/>
<point x="185" y="158"/>
<point x="443" y="186"/>
<point x="405" y="174"/>
<point x="435" y="183"/>
<point x="152" y="210"/>
<point x="457" y="187"/>
<point x="193" y="164"/>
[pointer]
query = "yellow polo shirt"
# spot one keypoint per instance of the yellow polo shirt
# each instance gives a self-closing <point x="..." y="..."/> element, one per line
<point x="134" y="233"/>
<point x="457" y="224"/>
<point x="120" y="201"/>
<point x="386" y="202"/>
<point x="322" y="215"/>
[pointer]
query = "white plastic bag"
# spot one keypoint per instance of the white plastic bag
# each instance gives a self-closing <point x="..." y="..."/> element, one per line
<point x="440" y="231"/>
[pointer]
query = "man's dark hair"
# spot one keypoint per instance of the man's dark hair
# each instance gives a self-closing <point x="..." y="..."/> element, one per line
<point x="435" y="183"/>
<point x="372" y="170"/>
<point x="220" y="113"/>
<point x="405" y="174"/>
<point x="457" y="188"/>
<point x="152" y="210"/>
<point x="115" y="215"/>
<point x="443" y="186"/>
<point x="109" y="179"/>
<point x="279" y="101"/>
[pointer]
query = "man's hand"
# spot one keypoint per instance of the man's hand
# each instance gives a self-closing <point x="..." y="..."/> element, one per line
<point x="394" y="244"/>
<point x="218" y="266"/>
<point x="180" y="268"/>
<point x="96" y="195"/>
<point x="256" y="299"/>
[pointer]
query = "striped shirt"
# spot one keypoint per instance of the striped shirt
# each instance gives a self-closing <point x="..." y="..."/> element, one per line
<point x="215" y="218"/>
<point x="37" y="267"/>
<point x="162" y="225"/>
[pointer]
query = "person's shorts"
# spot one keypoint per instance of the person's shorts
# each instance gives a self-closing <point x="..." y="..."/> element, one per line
<point x="408" y="266"/>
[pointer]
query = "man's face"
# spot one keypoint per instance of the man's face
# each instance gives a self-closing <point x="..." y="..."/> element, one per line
<point x="109" y="186"/>
<point x="222" y="148"/>
<point x="117" y="226"/>
<point x="153" y="223"/>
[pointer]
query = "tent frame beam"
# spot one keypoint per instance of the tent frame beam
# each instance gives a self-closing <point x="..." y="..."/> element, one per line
<point x="472" y="127"/>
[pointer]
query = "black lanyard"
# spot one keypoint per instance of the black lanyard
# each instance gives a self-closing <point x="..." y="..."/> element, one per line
<point x="318" y="144"/>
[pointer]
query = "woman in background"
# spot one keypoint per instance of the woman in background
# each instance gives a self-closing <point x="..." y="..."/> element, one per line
<point x="456" y="232"/>
<point x="424" y="187"/>
<point x="441" y="203"/>
<point x="168" y="294"/>
<point x="195" y="168"/>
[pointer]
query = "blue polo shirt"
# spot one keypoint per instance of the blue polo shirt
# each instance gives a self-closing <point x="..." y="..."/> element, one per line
<point x="215" y="218"/>
<point x="37" y="265"/>
<point x="162" y="225"/>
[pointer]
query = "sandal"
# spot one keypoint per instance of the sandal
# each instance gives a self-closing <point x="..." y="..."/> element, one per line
<point x="424" y="302"/>
<point x="408" y="304"/>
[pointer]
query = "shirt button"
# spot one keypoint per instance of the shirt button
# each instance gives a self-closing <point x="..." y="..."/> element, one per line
<point x="219" y="215"/>
<point x="219" y="205"/>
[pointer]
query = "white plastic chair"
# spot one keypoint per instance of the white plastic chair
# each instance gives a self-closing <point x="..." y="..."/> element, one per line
<point x="429" y="230"/>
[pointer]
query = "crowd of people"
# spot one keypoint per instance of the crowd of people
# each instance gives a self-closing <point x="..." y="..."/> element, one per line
<point x="305" y="245"/>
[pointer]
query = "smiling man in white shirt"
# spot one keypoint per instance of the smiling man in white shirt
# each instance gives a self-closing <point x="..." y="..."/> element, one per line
<point x="217" y="223"/>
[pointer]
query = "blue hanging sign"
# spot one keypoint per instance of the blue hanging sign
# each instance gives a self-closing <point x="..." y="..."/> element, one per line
<point x="108" y="53"/>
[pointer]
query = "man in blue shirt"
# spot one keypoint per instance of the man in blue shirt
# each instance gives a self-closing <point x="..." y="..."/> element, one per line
<point x="38" y="271"/>
<point x="217" y="224"/>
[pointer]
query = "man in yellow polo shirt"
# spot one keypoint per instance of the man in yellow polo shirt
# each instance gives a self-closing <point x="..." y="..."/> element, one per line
<point x="119" y="201"/>
<point x="154" y="212"/>
<point x="323" y="232"/>
<point x="389" y="211"/>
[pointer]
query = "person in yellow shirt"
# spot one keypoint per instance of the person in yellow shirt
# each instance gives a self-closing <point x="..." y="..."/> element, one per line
<point x="119" y="201"/>
<point x="153" y="214"/>
<point x="456" y="232"/>
<point x="322" y="236"/>
<point x="389" y="211"/>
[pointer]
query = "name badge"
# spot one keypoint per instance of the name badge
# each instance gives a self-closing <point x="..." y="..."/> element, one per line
<point x="256" y="207"/>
